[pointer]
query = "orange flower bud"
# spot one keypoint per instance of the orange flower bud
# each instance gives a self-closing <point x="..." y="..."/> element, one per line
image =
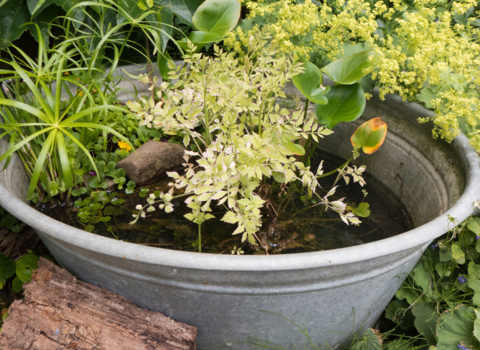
<point x="370" y="135"/>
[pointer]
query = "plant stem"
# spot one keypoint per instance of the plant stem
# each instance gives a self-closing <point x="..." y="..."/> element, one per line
<point x="314" y="147"/>
<point x="334" y="171"/>
<point x="343" y="167"/>
<point x="307" y="145"/>
<point x="199" y="237"/>
<point x="149" y="66"/>
<point x="207" y="122"/>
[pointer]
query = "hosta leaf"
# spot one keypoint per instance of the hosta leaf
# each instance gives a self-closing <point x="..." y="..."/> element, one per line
<point x="198" y="37"/>
<point x="12" y="15"/>
<point x="217" y="16"/>
<point x="348" y="70"/>
<point x="178" y="7"/>
<point x="37" y="6"/>
<point x="166" y="15"/>
<point x="345" y="103"/>
<point x="370" y="135"/>
<point x="309" y="83"/>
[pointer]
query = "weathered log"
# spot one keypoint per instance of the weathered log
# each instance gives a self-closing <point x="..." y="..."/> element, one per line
<point x="60" y="312"/>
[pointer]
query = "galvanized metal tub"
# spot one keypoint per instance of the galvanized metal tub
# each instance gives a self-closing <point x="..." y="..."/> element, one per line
<point x="224" y="294"/>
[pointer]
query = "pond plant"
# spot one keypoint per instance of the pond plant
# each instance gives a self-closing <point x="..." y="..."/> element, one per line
<point x="248" y="158"/>
<point x="62" y="117"/>
<point x="228" y="111"/>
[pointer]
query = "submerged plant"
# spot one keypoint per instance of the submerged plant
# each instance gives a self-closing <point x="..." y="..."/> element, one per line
<point x="228" y="111"/>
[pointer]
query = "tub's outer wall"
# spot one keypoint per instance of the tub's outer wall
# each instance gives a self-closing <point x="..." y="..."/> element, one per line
<point x="224" y="295"/>
<point x="228" y="306"/>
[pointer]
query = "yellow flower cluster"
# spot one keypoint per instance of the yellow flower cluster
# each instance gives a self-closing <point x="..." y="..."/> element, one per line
<point x="420" y="45"/>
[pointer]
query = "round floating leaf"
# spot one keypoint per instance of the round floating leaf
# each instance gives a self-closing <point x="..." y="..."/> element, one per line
<point x="80" y="191"/>
<point x="348" y="70"/>
<point x="309" y="83"/>
<point x="109" y="210"/>
<point x="345" y="104"/>
<point x="94" y="183"/>
<point x="370" y="135"/>
<point x="362" y="210"/>
<point x="455" y="327"/>
<point x="217" y="16"/>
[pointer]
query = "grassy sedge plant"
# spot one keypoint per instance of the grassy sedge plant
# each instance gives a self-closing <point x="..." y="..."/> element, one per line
<point x="53" y="134"/>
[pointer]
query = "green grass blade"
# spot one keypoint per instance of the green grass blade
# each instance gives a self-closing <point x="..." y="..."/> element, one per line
<point x="81" y="146"/>
<point x="48" y="94"/>
<point x="39" y="164"/>
<point x="101" y="127"/>
<point x="22" y="143"/>
<point x="29" y="109"/>
<point x="33" y="89"/>
<point x="58" y="90"/>
<point x="12" y="141"/>
<point x="64" y="161"/>
<point x="15" y="125"/>
<point x="90" y="111"/>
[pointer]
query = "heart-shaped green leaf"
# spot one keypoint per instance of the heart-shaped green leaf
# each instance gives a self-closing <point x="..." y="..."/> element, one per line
<point x="370" y="135"/>
<point x="348" y="70"/>
<point x="25" y="266"/>
<point x="309" y="83"/>
<point x="217" y="16"/>
<point x="345" y="103"/>
<point x="7" y="268"/>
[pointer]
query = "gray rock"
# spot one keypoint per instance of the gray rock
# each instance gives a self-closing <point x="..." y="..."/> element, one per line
<point x="151" y="161"/>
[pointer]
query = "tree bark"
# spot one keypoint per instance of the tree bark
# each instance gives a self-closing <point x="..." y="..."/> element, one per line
<point x="60" y="312"/>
